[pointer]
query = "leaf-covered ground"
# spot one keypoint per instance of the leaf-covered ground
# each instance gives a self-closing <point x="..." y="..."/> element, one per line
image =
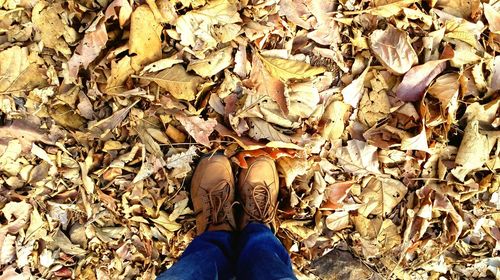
<point x="382" y="116"/>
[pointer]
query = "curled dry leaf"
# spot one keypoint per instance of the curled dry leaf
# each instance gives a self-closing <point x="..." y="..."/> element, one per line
<point x="393" y="49"/>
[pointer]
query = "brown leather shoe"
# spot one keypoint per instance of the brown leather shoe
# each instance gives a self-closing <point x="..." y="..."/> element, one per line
<point x="212" y="192"/>
<point x="258" y="187"/>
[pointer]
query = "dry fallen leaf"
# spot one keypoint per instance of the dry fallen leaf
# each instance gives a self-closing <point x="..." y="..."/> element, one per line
<point x="393" y="49"/>
<point x="177" y="82"/>
<point x="145" y="41"/>
<point x="197" y="127"/>
<point x="285" y="69"/>
<point x="265" y="84"/>
<point x="418" y="78"/>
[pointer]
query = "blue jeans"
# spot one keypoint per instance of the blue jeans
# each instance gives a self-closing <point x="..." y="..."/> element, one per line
<point x="255" y="254"/>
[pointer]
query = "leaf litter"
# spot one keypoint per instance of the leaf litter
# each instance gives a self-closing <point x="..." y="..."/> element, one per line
<point x="382" y="115"/>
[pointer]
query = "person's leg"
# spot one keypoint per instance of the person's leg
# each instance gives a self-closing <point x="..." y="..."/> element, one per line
<point x="207" y="257"/>
<point x="211" y="254"/>
<point x="261" y="255"/>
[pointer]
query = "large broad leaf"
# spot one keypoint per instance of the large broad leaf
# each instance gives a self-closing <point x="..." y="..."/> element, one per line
<point x="265" y="84"/>
<point x="145" y="37"/>
<point x="393" y="49"/>
<point x="177" y="81"/>
<point x="418" y="78"/>
<point x="285" y="69"/>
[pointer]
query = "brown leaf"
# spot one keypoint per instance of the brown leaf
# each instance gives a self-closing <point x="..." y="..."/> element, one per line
<point x="197" y="127"/>
<point x="393" y="49"/>
<point x="260" y="129"/>
<point x="25" y="132"/>
<point x="97" y="129"/>
<point x="418" y="78"/>
<point x="89" y="49"/>
<point x="265" y="84"/>
<point x="384" y="193"/>
<point x="17" y="72"/>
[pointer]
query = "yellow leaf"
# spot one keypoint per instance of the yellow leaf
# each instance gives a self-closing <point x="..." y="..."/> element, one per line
<point x="285" y="69"/>
<point x="177" y="81"/>
<point x="387" y="10"/>
<point x="145" y="37"/>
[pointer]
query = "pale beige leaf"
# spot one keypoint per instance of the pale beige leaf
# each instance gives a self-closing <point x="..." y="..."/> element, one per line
<point x="197" y="127"/>
<point x="7" y="248"/>
<point x="213" y="63"/>
<point x="472" y="152"/>
<point x="89" y="49"/>
<point x="17" y="215"/>
<point x="196" y="26"/>
<point x="386" y="10"/>
<point x="177" y="81"/>
<point x="296" y="12"/>
<point x="353" y="92"/>
<point x="292" y="167"/>
<point x="181" y="162"/>
<point x="110" y="122"/>
<point x="298" y="228"/>
<point x="338" y="220"/>
<point x="17" y="72"/>
<point x="124" y="13"/>
<point x="358" y="157"/>
<point x="260" y="129"/>
<point x="385" y="193"/>
<point x="334" y="118"/>
<point x="285" y="69"/>
<point x="55" y="34"/>
<point x="393" y="49"/>
<point x="160" y="65"/>
<point x="493" y="17"/>
<point x="416" y="143"/>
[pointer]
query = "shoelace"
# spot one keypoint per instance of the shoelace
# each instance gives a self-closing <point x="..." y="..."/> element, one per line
<point x="216" y="203"/>
<point x="264" y="211"/>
